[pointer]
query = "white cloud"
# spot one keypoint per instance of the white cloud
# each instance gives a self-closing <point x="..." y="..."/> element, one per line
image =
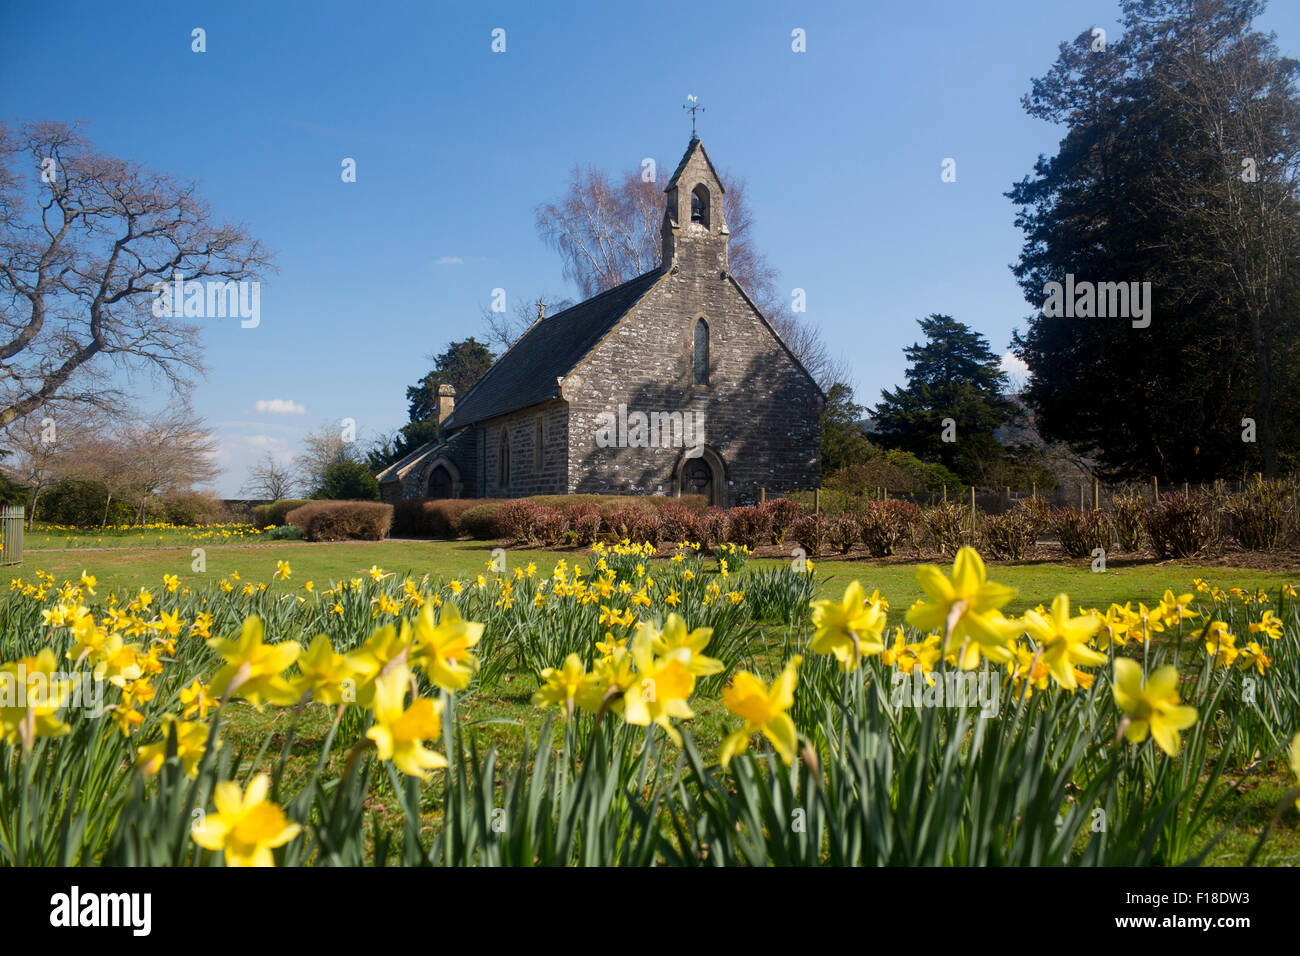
<point x="280" y="406"/>
<point x="449" y="261"/>
<point x="1013" y="366"/>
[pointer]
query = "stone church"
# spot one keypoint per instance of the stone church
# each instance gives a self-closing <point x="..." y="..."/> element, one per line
<point x="672" y="383"/>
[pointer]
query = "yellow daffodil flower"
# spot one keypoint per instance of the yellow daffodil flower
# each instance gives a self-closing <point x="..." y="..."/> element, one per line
<point x="1151" y="705"/>
<point x="764" y="710"/>
<point x="246" y="826"/>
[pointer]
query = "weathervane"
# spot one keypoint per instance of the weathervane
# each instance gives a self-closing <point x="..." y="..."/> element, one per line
<point x="692" y="106"/>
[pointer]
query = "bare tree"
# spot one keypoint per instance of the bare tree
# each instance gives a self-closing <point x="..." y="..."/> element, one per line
<point x="85" y="241"/>
<point x="269" y="479"/>
<point x="607" y="231"/>
<point x="505" y="328"/>
<point x="43" y="450"/>
<point x="169" y="453"/>
<point x="327" y="445"/>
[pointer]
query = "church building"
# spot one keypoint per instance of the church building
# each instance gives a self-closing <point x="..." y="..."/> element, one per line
<point x="672" y="383"/>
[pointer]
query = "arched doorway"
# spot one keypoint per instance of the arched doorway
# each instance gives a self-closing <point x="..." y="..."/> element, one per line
<point x="701" y="471"/>
<point x="697" y="479"/>
<point x="443" y="480"/>
<point x="440" y="483"/>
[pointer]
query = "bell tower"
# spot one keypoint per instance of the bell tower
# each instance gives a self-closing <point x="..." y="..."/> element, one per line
<point x="694" y="230"/>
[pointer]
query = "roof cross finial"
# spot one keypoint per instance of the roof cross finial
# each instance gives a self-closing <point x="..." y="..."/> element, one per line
<point x="692" y="106"/>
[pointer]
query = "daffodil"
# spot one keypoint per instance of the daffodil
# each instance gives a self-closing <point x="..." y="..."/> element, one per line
<point x="1295" y="762"/>
<point x="850" y="629"/>
<point x="30" y="698"/>
<point x="661" y="690"/>
<point x="1268" y="624"/>
<point x="253" y="668"/>
<point x="443" y="649"/>
<point x="191" y="741"/>
<point x="1151" y="705"/>
<point x="384" y="646"/>
<point x="195" y="699"/>
<point x="764" y="710"/>
<point x="965" y="610"/>
<point x="326" y="675"/>
<point x="563" y="685"/>
<point x="1220" y="644"/>
<point x="399" y="732"/>
<point x="674" y="636"/>
<point x="246" y="826"/>
<point x="1063" y="640"/>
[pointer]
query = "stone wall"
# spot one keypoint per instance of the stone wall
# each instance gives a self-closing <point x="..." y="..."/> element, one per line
<point x="761" y="410"/>
<point x="534" y="470"/>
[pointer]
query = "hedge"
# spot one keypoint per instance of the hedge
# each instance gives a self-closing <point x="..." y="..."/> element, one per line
<point x="276" y="512"/>
<point x="343" y="520"/>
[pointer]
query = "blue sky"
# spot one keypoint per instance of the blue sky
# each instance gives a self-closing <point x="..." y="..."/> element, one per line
<point x="455" y="145"/>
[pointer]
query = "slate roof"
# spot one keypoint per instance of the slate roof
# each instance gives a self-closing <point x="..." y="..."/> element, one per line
<point x="526" y="374"/>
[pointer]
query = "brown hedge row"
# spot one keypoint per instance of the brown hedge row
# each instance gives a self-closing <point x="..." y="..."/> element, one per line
<point x="342" y="520"/>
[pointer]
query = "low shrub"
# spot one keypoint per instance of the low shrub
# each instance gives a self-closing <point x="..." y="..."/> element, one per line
<point x="812" y="532"/>
<point x="713" y="527"/>
<point x="1128" y="512"/>
<point x="80" y="504"/>
<point x="584" y="521"/>
<point x="749" y="525"/>
<point x="194" y="508"/>
<point x="843" y="532"/>
<point x="549" y="526"/>
<point x="430" y="517"/>
<point x="784" y="515"/>
<point x="886" y="523"/>
<point x="1257" y="515"/>
<point x="644" y="526"/>
<point x="1082" y="532"/>
<point x="893" y="470"/>
<point x="342" y="520"/>
<point x="276" y="512"/>
<point x="619" y="520"/>
<point x="481" y="522"/>
<point x="1010" y="535"/>
<point x="1180" y="525"/>
<point x="679" y="522"/>
<point x="948" y="525"/>
<point x="517" y="520"/>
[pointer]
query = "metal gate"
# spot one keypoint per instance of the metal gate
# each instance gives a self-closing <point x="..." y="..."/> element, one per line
<point x="11" y="534"/>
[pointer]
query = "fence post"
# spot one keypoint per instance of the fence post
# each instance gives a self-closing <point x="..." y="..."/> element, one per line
<point x="11" y="534"/>
<point x="972" y="516"/>
<point x="762" y="495"/>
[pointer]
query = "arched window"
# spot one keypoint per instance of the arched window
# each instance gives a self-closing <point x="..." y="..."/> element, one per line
<point x="700" y="205"/>
<point x="503" y="460"/>
<point x="538" y="444"/>
<point x="701" y="353"/>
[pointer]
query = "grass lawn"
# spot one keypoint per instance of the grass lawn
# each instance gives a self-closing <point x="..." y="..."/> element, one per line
<point x="1036" y="582"/>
